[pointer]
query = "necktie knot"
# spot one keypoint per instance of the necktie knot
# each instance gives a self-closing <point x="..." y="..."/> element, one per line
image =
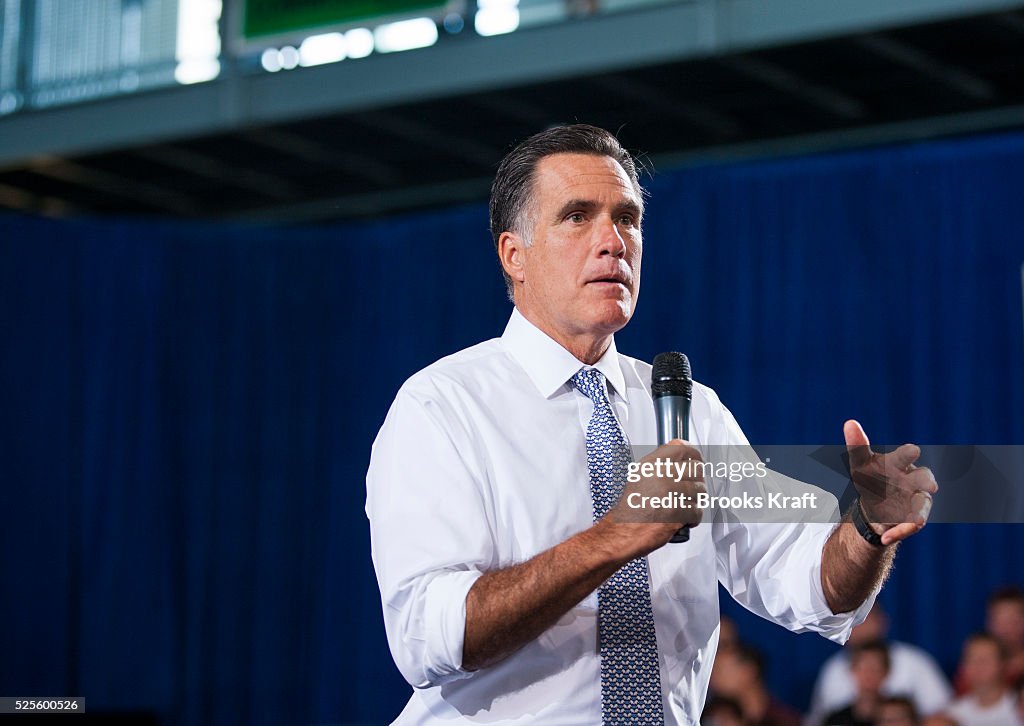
<point x="590" y="382"/>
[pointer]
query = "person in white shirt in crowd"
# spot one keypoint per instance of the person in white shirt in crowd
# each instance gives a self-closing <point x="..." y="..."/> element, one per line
<point x="912" y="672"/>
<point x="518" y="583"/>
<point x="989" y="702"/>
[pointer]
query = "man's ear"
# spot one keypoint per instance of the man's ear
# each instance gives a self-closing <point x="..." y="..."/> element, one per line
<point x="512" y="252"/>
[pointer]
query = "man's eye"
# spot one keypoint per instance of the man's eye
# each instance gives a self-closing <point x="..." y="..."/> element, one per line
<point x="576" y="217"/>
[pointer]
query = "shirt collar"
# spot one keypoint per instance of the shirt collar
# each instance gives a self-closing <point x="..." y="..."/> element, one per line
<point x="548" y="364"/>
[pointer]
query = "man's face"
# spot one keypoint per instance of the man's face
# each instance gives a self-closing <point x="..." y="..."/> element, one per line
<point x="982" y="664"/>
<point x="869" y="671"/>
<point x="731" y="676"/>
<point x="1006" y="622"/>
<point x="581" y="274"/>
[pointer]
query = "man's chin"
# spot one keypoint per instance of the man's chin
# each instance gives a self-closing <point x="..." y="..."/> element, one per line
<point x="612" y="315"/>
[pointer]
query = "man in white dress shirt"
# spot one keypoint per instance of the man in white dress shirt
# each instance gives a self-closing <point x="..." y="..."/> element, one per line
<point x="488" y="556"/>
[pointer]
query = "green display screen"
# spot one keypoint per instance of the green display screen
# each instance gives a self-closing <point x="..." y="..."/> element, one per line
<point x="277" y="17"/>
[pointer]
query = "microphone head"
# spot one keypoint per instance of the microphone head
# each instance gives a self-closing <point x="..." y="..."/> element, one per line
<point x="671" y="376"/>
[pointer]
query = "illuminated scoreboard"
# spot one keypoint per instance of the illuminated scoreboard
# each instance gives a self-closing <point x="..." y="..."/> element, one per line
<point x="269" y="18"/>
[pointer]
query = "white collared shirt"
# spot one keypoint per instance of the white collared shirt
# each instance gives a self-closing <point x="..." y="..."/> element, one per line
<point x="1003" y="712"/>
<point x="481" y="464"/>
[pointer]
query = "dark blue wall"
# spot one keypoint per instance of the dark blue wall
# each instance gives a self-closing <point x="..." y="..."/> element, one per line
<point x="186" y="410"/>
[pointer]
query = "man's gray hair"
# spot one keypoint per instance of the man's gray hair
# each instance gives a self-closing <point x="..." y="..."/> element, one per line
<point x="512" y="190"/>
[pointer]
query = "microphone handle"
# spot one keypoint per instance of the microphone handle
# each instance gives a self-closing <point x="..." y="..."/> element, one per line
<point x="673" y="418"/>
<point x="673" y="413"/>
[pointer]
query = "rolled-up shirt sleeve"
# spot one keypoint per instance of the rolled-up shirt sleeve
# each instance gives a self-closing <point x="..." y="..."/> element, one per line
<point x="431" y="537"/>
<point x="773" y="568"/>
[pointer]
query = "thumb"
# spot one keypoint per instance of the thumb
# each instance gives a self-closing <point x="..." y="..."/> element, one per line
<point x="857" y="444"/>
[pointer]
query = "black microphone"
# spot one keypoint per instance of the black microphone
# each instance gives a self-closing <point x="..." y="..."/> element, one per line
<point x="672" y="390"/>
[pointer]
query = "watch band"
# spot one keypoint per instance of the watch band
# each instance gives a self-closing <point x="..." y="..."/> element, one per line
<point x="863" y="528"/>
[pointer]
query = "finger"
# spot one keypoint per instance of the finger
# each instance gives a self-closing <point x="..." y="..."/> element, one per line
<point x="920" y="507"/>
<point x="857" y="444"/>
<point x="900" y="532"/>
<point x="921" y="480"/>
<point x="904" y="457"/>
<point x="677" y="449"/>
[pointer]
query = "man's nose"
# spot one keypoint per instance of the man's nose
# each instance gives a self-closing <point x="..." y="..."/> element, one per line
<point x="611" y="241"/>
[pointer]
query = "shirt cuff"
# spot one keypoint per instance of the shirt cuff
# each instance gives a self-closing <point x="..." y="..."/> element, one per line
<point x="445" y="606"/>
<point x="830" y="625"/>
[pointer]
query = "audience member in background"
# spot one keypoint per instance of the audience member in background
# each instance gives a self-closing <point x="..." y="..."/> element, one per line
<point x="869" y="664"/>
<point x="1020" y="698"/>
<point x="896" y="711"/>
<point x="1004" y="620"/>
<point x="728" y="635"/>
<point x="738" y="674"/>
<point x="988" y="701"/>
<point x="722" y="711"/>
<point x="912" y="673"/>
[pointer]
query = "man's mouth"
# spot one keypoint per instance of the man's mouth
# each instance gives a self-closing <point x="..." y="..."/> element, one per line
<point x="612" y="279"/>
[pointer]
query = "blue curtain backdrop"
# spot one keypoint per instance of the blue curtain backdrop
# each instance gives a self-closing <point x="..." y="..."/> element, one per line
<point x="187" y="410"/>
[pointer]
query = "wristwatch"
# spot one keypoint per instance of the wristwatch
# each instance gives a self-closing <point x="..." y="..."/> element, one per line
<point x="863" y="528"/>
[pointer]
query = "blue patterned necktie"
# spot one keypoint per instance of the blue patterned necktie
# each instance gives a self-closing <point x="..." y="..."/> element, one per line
<point x="630" y="680"/>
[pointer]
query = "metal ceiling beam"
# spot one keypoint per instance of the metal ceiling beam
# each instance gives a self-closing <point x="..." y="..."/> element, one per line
<point x="1012" y="21"/>
<point x="92" y="179"/>
<point x="461" y="65"/>
<point x="14" y="198"/>
<point x="426" y="136"/>
<point x="719" y="125"/>
<point x="368" y="205"/>
<point x="351" y="162"/>
<point x="232" y="173"/>
<point x="528" y="114"/>
<point x="781" y="79"/>
<point x="948" y="74"/>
